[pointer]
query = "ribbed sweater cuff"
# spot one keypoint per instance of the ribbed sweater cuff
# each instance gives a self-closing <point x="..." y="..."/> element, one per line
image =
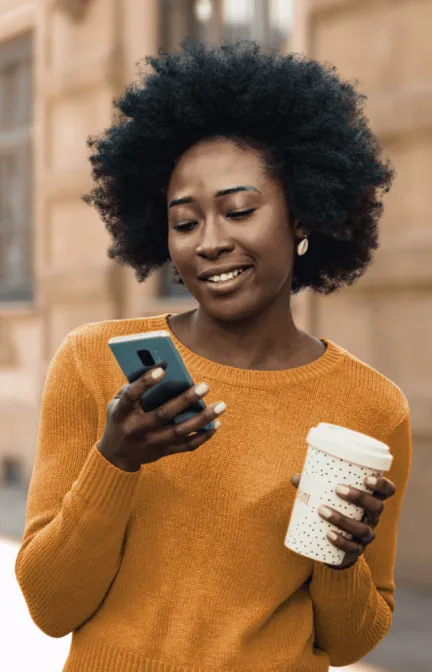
<point x="106" y="489"/>
<point x="342" y="584"/>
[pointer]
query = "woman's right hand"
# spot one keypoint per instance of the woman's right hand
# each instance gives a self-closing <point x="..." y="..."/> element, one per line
<point x="133" y="437"/>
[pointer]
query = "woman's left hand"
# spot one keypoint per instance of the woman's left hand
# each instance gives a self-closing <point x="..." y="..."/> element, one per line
<point x="362" y="531"/>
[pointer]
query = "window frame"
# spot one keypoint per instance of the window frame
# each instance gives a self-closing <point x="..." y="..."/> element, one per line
<point x="16" y="145"/>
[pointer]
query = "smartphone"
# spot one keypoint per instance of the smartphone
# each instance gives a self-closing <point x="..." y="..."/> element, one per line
<point x="137" y="353"/>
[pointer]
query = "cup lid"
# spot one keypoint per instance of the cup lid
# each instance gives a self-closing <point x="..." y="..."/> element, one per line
<point x="350" y="446"/>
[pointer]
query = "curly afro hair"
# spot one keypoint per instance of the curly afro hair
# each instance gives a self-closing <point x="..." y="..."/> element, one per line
<point x="308" y="124"/>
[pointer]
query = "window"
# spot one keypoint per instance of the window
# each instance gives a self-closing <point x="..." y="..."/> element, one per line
<point x="16" y="259"/>
<point x="177" y="21"/>
<point x="268" y="21"/>
<point x="12" y="472"/>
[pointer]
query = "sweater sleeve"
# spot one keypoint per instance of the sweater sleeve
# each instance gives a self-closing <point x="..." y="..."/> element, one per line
<point x="353" y="607"/>
<point x="78" y="506"/>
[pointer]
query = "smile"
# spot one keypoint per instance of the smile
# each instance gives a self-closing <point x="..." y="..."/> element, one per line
<point x="227" y="281"/>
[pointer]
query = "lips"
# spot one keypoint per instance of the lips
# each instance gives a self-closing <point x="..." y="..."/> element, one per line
<point x="228" y="286"/>
<point x="204" y="275"/>
<point x="241" y="270"/>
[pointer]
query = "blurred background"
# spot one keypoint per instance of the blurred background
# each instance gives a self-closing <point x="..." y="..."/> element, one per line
<point x="61" y="64"/>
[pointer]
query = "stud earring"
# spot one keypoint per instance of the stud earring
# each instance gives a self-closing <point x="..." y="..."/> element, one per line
<point x="302" y="247"/>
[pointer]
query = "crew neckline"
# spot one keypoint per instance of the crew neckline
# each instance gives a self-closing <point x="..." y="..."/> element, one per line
<point x="327" y="362"/>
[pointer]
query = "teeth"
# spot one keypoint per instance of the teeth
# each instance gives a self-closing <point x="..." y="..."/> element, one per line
<point x="225" y="276"/>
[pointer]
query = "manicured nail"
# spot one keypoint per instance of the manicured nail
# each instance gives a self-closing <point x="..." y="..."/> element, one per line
<point x="202" y="389"/>
<point x="342" y="490"/>
<point x="372" y="481"/>
<point x="217" y="424"/>
<point x="219" y="408"/>
<point x="157" y="373"/>
<point x="325" y="511"/>
<point x="332" y="535"/>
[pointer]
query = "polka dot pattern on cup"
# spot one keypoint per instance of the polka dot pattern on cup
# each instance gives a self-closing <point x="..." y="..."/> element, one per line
<point x="307" y="530"/>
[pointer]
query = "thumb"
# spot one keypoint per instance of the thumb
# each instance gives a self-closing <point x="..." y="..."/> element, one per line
<point x="295" y="480"/>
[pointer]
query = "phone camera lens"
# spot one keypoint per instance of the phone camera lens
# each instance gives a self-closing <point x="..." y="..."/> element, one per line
<point x="146" y="357"/>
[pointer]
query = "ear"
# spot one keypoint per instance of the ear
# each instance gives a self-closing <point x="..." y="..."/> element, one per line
<point x="299" y="231"/>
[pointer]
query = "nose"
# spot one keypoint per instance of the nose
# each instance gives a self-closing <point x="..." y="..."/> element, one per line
<point x="213" y="239"/>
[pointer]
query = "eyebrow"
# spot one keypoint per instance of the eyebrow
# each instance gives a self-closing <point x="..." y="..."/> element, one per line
<point x="222" y="192"/>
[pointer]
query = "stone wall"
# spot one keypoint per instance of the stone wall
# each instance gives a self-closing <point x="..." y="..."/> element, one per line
<point x="385" y="319"/>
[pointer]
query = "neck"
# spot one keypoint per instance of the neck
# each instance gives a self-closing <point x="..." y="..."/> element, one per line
<point x="268" y="340"/>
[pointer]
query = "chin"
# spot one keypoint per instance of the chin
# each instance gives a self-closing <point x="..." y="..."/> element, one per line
<point x="241" y="301"/>
<point x="234" y="310"/>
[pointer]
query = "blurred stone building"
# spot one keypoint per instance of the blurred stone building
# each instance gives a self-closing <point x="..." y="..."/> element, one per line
<point x="61" y="64"/>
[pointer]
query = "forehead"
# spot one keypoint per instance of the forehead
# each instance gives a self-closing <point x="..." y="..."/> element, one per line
<point x="216" y="164"/>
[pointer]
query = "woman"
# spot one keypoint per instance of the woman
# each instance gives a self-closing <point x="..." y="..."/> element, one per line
<point x="225" y="160"/>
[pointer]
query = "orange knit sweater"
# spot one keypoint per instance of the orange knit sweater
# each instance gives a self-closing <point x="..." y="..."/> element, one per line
<point x="182" y="565"/>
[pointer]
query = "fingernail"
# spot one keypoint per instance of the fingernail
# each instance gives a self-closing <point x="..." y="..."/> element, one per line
<point x="332" y="535"/>
<point x="372" y="481"/>
<point x="217" y="424"/>
<point x="202" y="389"/>
<point x="325" y="511"/>
<point x="157" y="373"/>
<point x="342" y="490"/>
<point x="219" y="408"/>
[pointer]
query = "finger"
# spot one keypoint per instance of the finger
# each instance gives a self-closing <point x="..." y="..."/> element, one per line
<point x="179" y="432"/>
<point x="351" y="547"/>
<point x="295" y="480"/>
<point x="120" y="392"/>
<point x="383" y="487"/>
<point x="180" y="445"/>
<point x="373" y="507"/>
<point x="131" y="393"/>
<point x="357" y="528"/>
<point x="164" y="415"/>
<point x="161" y="363"/>
<point x="199" y="439"/>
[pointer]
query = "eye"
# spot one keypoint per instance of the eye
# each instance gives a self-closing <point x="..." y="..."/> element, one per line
<point x="241" y="213"/>
<point x="186" y="226"/>
<point x="183" y="227"/>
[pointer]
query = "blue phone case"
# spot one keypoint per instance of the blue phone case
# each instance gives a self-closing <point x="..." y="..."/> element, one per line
<point x="136" y="353"/>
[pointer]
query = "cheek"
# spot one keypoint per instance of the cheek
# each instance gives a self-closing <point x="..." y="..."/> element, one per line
<point x="275" y="252"/>
<point x="180" y="249"/>
<point x="271" y="237"/>
<point x="275" y="264"/>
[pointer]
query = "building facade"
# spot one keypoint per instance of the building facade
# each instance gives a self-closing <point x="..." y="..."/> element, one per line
<point x="61" y="64"/>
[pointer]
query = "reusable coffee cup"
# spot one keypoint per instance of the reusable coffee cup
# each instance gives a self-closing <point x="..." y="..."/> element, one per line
<point x="335" y="456"/>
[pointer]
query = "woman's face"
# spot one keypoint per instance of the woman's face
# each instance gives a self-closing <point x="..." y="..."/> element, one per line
<point x="211" y="232"/>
